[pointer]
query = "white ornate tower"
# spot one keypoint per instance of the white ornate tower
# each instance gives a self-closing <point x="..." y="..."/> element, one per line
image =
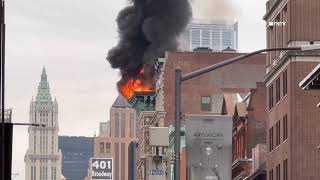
<point x="43" y="158"/>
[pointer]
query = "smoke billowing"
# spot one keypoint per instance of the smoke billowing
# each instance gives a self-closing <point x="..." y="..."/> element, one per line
<point x="215" y="9"/>
<point x="147" y="28"/>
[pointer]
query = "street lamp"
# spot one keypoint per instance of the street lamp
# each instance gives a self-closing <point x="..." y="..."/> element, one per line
<point x="179" y="78"/>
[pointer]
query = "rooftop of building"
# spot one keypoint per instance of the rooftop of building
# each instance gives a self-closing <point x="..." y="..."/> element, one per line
<point x="213" y="21"/>
<point x="121" y="102"/>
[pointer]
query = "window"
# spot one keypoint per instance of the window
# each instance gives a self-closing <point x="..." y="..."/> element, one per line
<point x="41" y="173"/>
<point x="108" y="147"/>
<point x="278" y="172"/>
<point x="278" y="133"/>
<point x="285" y="169"/>
<point x="271" y="139"/>
<point x="278" y="90"/>
<point x="101" y="147"/>
<point x="132" y="125"/>
<point x="116" y="161"/>
<point x="33" y="173"/>
<point x="52" y="142"/>
<point x="123" y="161"/>
<point x="271" y="175"/>
<point x="285" y="83"/>
<point x="35" y="142"/>
<point x="53" y="173"/>
<point x="123" y="125"/>
<point x="117" y="122"/>
<point x="285" y="127"/>
<point x="41" y="136"/>
<point x="206" y="103"/>
<point x="271" y="96"/>
<point x="45" y="173"/>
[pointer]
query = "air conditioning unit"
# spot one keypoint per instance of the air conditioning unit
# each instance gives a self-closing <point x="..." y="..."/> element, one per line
<point x="159" y="136"/>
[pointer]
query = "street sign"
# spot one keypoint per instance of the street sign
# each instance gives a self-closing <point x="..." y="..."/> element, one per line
<point x="209" y="147"/>
<point x="101" y="168"/>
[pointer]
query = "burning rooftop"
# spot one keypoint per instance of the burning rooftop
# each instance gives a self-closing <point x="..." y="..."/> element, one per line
<point x="143" y="101"/>
<point x="146" y="29"/>
<point x="136" y="85"/>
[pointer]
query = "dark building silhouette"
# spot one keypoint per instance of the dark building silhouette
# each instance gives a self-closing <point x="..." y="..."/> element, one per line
<point x="76" y="152"/>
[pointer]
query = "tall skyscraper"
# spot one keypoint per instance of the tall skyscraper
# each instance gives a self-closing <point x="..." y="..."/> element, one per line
<point x="217" y="35"/>
<point x="43" y="158"/>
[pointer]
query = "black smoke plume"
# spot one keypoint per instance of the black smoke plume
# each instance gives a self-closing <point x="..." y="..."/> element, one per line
<point x="147" y="28"/>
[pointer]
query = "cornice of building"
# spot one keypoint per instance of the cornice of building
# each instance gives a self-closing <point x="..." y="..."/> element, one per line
<point x="271" y="6"/>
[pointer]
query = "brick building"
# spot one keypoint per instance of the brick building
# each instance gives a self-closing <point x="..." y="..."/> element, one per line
<point x="292" y="117"/>
<point x="248" y="130"/>
<point x="201" y="94"/>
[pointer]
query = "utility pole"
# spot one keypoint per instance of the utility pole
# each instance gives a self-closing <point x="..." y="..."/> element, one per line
<point x="6" y="127"/>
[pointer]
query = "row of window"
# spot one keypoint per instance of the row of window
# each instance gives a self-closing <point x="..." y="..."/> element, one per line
<point x="239" y="148"/>
<point x="105" y="147"/>
<point x="120" y="125"/>
<point x="278" y="89"/>
<point x="277" y="35"/>
<point x="44" y="139"/>
<point x="277" y="129"/>
<point x="44" y="119"/>
<point x="278" y="175"/>
<point x="43" y="173"/>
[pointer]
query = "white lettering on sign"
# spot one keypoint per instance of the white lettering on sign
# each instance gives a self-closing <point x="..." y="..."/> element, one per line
<point x="101" y="169"/>
<point x="101" y="174"/>
<point x="101" y="165"/>
<point x="271" y="24"/>
<point x="156" y="172"/>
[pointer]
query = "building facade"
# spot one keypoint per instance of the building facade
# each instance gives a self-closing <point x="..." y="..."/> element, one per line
<point x="216" y="35"/>
<point x="204" y="94"/>
<point x="122" y="133"/>
<point x="249" y="131"/>
<point x="76" y="152"/>
<point x="104" y="129"/>
<point x="43" y="158"/>
<point x="292" y="117"/>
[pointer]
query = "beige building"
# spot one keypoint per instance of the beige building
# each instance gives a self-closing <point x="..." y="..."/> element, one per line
<point x="122" y="132"/>
<point x="43" y="158"/>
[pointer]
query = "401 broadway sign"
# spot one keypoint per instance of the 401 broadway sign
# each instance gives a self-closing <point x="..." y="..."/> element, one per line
<point x="101" y="168"/>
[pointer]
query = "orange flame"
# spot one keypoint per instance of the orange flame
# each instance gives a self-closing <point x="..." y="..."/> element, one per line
<point x="135" y="85"/>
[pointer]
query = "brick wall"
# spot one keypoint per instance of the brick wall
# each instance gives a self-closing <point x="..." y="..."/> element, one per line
<point x="236" y="78"/>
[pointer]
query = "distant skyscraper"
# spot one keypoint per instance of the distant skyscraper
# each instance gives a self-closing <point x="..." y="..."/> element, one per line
<point x="104" y="129"/>
<point x="76" y="153"/>
<point x="217" y="35"/>
<point x="43" y="158"/>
